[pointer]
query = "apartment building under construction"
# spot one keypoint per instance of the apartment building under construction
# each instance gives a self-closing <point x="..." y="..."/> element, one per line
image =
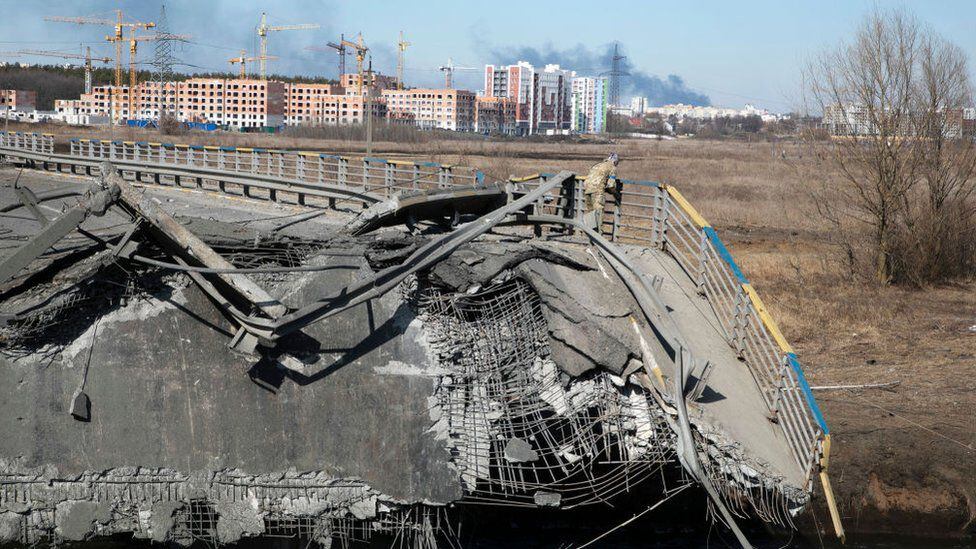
<point x="252" y="104"/>
<point x="17" y="100"/>
<point x="427" y="108"/>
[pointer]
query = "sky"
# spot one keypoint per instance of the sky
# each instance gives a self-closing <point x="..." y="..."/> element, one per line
<point x="722" y="53"/>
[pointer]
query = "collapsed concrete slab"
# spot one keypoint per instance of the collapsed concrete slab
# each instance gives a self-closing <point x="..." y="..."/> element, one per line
<point x="512" y="371"/>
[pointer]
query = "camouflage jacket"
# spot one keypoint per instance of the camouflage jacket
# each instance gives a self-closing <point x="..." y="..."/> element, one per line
<point x="598" y="180"/>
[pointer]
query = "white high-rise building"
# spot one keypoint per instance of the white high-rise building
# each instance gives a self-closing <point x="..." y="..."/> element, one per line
<point x="638" y="105"/>
<point x="542" y="97"/>
<point x="589" y="108"/>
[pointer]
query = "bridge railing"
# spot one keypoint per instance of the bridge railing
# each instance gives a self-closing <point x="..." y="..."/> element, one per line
<point x="380" y="176"/>
<point x="658" y="216"/>
<point x="665" y="219"/>
<point x="33" y="142"/>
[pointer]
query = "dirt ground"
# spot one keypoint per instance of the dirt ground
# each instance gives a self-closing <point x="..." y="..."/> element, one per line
<point x="904" y="458"/>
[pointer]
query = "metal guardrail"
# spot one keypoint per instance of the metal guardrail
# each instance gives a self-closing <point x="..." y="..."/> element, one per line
<point x="658" y="216"/>
<point x="378" y="176"/>
<point x="34" y="142"/>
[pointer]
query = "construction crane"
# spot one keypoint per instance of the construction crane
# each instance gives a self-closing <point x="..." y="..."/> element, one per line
<point x="339" y="48"/>
<point x="401" y="48"/>
<point x="449" y="69"/>
<point x="360" y="48"/>
<point x="263" y="31"/>
<point x="116" y="38"/>
<point x="133" y="46"/>
<point x="243" y="60"/>
<point x="67" y="55"/>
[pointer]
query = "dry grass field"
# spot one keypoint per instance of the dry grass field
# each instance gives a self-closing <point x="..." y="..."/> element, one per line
<point x="904" y="458"/>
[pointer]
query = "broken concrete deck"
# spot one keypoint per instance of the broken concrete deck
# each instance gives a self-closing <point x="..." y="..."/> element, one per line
<point x="169" y="397"/>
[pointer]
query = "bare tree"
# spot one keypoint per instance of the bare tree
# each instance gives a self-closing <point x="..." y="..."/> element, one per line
<point x="893" y="99"/>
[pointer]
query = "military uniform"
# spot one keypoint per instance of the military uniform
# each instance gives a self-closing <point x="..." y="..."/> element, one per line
<point x="598" y="182"/>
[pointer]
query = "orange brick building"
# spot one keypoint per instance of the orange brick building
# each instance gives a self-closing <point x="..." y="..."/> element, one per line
<point x="18" y="100"/>
<point x="446" y="109"/>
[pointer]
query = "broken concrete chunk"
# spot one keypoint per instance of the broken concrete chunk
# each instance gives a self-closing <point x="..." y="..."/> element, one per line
<point x="11" y="525"/>
<point x="236" y="520"/>
<point x="547" y="499"/>
<point x="519" y="451"/>
<point x="74" y="520"/>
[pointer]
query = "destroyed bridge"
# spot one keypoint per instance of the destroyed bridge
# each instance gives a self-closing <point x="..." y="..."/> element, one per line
<point x="216" y="343"/>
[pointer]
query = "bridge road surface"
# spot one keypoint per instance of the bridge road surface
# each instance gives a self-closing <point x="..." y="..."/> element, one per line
<point x="737" y="410"/>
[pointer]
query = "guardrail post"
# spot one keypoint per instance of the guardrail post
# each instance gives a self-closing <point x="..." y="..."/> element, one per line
<point x="618" y="199"/>
<point x="365" y="176"/>
<point x="342" y="172"/>
<point x="702" y="259"/>
<point x="784" y="365"/>
<point x="444" y="177"/>
<point x="389" y="179"/>
<point x="300" y="167"/>
<point x="740" y="320"/>
<point x="661" y="205"/>
<point x="237" y="161"/>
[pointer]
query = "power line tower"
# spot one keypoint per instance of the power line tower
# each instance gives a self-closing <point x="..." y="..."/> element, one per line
<point x="615" y="74"/>
<point x="162" y="65"/>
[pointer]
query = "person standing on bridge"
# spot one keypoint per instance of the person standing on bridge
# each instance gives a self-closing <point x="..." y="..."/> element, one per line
<point x="598" y="181"/>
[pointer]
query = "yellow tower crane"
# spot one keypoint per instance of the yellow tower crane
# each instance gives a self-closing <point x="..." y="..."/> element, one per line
<point x="243" y="60"/>
<point x="68" y="55"/>
<point x="116" y="38"/>
<point x="449" y="69"/>
<point x="360" y="48"/>
<point x="264" y="29"/>
<point x="134" y="40"/>
<point x="401" y="48"/>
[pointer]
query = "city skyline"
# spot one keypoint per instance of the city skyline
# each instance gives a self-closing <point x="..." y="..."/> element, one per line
<point x="674" y="58"/>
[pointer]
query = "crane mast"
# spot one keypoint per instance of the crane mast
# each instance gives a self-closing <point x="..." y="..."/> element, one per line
<point x="449" y="69"/>
<point x="243" y="60"/>
<point x="67" y="55"/>
<point x="401" y="48"/>
<point x="360" y="48"/>
<point x="339" y="48"/>
<point x="264" y="29"/>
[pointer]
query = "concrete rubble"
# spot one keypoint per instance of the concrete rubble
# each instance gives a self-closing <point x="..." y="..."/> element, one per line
<point x="504" y="373"/>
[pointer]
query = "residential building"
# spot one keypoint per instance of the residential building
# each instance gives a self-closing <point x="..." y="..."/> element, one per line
<point x="680" y="111"/>
<point x="350" y="82"/>
<point x="542" y="97"/>
<point x="427" y="108"/>
<point x="18" y="100"/>
<point x="495" y="115"/>
<point x="313" y="104"/>
<point x="235" y="103"/>
<point x="589" y="105"/>
<point x="638" y="105"/>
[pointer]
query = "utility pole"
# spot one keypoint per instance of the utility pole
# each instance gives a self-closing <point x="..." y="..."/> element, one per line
<point x="369" y="110"/>
<point x="162" y="65"/>
<point x="615" y="73"/>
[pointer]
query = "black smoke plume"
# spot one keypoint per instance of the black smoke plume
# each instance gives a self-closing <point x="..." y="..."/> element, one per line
<point x="594" y="62"/>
